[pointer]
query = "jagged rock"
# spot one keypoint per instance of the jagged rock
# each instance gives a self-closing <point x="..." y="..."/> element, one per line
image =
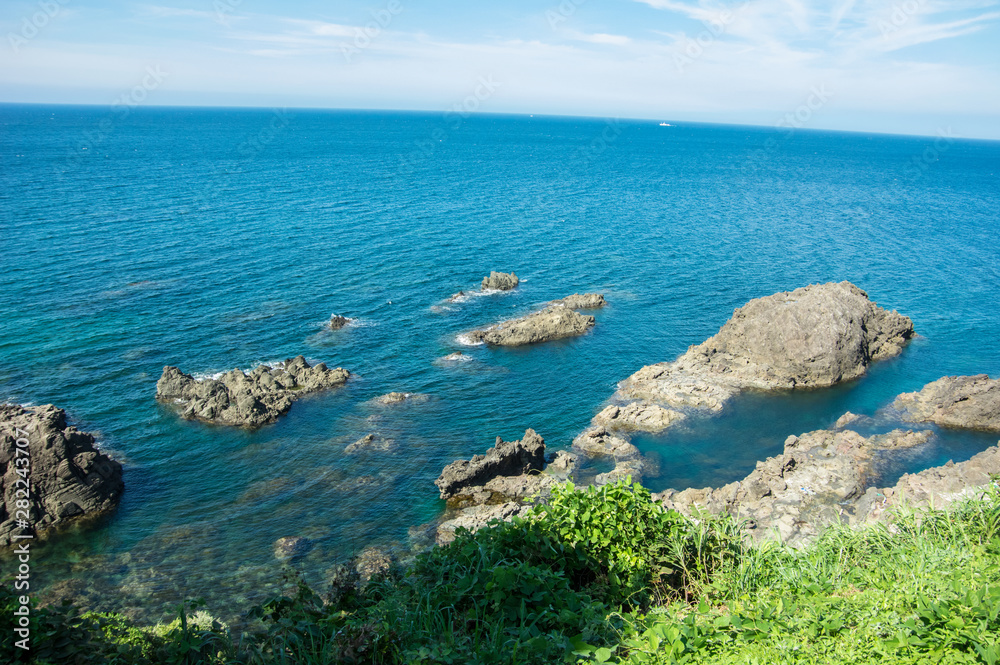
<point x="814" y="336"/>
<point x="499" y="281"/>
<point x="563" y="465"/>
<point x="249" y="400"/>
<point x="291" y="547"/>
<point x="390" y="399"/>
<point x="955" y="401"/>
<point x="477" y="517"/>
<point x="70" y="479"/>
<point x="822" y="478"/>
<point x="506" y="458"/>
<point x="370" y="443"/>
<point x="847" y="419"/>
<point x="544" y="325"/>
<point x="584" y="301"/>
<point x="643" y="416"/>
<point x="337" y="322"/>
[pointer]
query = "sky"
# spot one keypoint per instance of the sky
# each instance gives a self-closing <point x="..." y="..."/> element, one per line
<point x="923" y="67"/>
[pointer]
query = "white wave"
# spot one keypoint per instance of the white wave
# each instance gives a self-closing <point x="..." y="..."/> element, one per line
<point x="453" y="358"/>
<point x="465" y="340"/>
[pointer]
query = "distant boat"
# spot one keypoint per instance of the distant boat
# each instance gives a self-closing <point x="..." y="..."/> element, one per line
<point x="665" y="124"/>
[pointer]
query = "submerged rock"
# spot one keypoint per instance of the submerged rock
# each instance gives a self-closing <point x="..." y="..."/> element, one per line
<point x="499" y="281"/>
<point x="371" y="443"/>
<point x="65" y="477"/>
<point x="457" y="357"/>
<point x="337" y="322"/>
<point x="955" y="401"/>
<point x="597" y="442"/>
<point x="291" y="547"/>
<point x="584" y="301"/>
<point x="392" y="398"/>
<point x="554" y="322"/>
<point x="249" y="400"/>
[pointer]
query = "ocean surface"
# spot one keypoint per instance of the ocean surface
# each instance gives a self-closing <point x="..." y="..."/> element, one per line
<point x="220" y="238"/>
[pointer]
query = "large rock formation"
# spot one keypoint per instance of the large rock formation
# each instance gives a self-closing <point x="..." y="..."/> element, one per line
<point x="493" y="486"/>
<point x="63" y="477"/>
<point x="955" y="401"/>
<point x="249" y="400"/>
<point x="554" y="322"/>
<point x="499" y="281"/>
<point x="811" y="337"/>
<point x="584" y="301"/>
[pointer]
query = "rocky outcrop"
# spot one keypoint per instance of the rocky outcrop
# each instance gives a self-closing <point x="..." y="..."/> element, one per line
<point x="544" y="325"/>
<point x="506" y="458"/>
<point x="811" y="337"/>
<point x="337" y="322"/>
<point x="499" y="281"/>
<point x="955" y="401"/>
<point x="943" y="485"/>
<point x="822" y="478"/>
<point x="63" y="476"/>
<point x="642" y="416"/>
<point x="390" y="399"/>
<point x="496" y="485"/>
<point x="597" y="442"/>
<point x="249" y="400"/>
<point x="581" y="301"/>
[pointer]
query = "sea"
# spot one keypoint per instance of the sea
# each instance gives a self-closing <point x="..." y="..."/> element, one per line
<point x="132" y="238"/>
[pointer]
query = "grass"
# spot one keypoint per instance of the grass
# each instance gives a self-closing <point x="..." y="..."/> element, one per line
<point x="606" y="576"/>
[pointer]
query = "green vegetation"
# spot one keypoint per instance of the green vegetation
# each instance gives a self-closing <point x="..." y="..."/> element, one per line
<point x="604" y="575"/>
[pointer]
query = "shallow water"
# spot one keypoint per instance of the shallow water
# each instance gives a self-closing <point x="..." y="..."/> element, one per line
<point x="220" y="238"/>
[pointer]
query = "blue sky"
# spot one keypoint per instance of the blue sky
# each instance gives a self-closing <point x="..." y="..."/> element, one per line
<point x="901" y="66"/>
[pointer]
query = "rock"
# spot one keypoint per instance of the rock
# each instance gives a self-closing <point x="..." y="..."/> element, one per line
<point x="822" y="478"/>
<point x="544" y="325"/>
<point x="248" y="400"/>
<point x="499" y="281"/>
<point x="70" y="479"/>
<point x="291" y="547"/>
<point x="814" y="336"/>
<point x="943" y="485"/>
<point x="597" y="441"/>
<point x="584" y="301"/>
<point x="643" y="416"/>
<point x="370" y="443"/>
<point x="506" y="458"/>
<point x="373" y="562"/>
<point x="390" y="399"/>
<point x="457" y="357"/>
<point x="337" y="322"/>
<point x="477" y="517"/>
<point x="845" y="420"/>
<point x="955" y="401"/>
<point x="563" y="465"/>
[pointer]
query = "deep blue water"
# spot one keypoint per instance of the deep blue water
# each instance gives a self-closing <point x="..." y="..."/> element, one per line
<point x="221" y="238"/>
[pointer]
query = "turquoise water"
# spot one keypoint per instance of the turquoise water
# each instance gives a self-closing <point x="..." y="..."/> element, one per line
<point x="217" y="238"/>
